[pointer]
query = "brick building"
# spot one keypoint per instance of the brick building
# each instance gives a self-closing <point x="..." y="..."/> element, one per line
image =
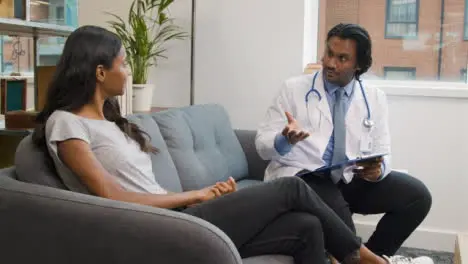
<point x="405" y="35"/>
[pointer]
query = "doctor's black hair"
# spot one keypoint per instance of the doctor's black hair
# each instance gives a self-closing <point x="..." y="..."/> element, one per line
<point x="363" y="44"/>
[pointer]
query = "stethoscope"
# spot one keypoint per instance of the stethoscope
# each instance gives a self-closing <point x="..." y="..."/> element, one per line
<point x="367" y="122"/>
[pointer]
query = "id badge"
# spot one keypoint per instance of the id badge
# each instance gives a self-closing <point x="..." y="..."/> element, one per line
<point x="366" y="145"/>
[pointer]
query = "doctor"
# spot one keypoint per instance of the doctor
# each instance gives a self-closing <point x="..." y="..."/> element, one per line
<point x="331" y="116"/>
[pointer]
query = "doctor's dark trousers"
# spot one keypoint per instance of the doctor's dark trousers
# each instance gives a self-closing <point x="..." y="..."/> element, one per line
<point x="284" y="216"/>
<point x="404" y="200"/>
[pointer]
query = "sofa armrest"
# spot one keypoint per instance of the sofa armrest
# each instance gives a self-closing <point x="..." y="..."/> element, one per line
<point x="40" y="224"/>
<point x="256" y="164"/>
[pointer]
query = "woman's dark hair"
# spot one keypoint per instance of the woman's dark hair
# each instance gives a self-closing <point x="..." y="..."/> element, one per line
<point x="363" y="44"/>
<point x="74" y="82"/>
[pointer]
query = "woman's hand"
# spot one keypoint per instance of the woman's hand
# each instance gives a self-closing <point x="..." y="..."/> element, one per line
<point x="226" y="187"/>
<point x="207" y="194"/>
<point x="217" y="190"/>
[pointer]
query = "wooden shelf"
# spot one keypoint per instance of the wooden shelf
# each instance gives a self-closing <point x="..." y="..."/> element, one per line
<point x="17" y="27"/>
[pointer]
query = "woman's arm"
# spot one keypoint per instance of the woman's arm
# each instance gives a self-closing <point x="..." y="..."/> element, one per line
<point x="78" y="157"/>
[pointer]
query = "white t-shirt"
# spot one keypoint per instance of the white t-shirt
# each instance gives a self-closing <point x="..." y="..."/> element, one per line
<point x="120" y="155"/>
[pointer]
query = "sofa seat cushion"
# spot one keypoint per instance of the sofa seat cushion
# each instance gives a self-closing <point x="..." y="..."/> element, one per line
<point x="164" y="169"/>
<point x="269" y="259"/>
<point x="202" y="144"/>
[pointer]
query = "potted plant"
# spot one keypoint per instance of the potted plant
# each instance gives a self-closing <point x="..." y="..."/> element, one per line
<point x="144" y="36"/>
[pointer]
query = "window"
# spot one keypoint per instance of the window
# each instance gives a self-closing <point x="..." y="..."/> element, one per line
<point x="1" y="54"/>
<point x="402" y="19"/>
<point x="60" y="13"/>
<point x="399" y="73"/>
<point x="465" y="29"/>
<point x="434" y="55"/>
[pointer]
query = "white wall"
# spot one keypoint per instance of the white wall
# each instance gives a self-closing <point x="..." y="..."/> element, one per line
<point x="245" y="49"/>
<point x="172" y="76"/>
<point x="429" y="139"/>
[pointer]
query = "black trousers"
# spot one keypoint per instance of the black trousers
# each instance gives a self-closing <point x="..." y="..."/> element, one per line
<point x="284" y="216"/>
<point x="405" y="201"/>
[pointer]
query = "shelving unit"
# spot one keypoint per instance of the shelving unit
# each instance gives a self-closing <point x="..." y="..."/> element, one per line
<point x="9" y="139"/>
<point x="17" y="27"/>
<point x="22" y="28"/>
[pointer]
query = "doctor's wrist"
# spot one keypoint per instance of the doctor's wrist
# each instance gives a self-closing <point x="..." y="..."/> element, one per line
<point x="282" y="144"/>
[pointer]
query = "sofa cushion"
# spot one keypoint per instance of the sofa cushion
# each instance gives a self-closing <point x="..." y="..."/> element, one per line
<point x="202" y="144"/>
<point x="33" y="166"/>
<point x="163" y="167"/>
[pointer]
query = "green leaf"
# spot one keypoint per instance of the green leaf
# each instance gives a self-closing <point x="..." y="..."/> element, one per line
<point x="145" y="35"/>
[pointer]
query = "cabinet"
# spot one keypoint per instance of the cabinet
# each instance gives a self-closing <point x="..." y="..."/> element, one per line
<point x="12" y="95"/>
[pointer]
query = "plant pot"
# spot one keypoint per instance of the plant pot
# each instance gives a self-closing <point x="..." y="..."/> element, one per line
<point x="142" y="97"/>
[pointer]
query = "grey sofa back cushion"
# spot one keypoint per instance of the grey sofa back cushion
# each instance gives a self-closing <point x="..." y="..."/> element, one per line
<point x="164" y="169"/>
<point x="202" y="144"/>
<point x="33" y="166"/>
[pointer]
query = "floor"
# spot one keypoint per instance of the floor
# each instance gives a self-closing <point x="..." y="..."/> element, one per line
<point x="438" y="257"/>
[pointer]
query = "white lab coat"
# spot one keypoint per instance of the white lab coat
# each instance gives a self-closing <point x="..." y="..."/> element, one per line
<point x="317" y="119"/>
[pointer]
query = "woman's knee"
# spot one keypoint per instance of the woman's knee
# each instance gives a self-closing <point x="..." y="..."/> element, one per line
<point x="307" y="225"/>
<point x="292" y="182"/>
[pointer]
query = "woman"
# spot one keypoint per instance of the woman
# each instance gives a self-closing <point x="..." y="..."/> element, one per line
<point x="96" y="150"/>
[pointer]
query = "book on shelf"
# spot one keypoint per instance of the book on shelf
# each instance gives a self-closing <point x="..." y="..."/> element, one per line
<point x="13" y="9"/>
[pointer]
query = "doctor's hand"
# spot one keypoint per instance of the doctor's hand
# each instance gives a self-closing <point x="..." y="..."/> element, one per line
<point x="369" y="170"/>
<point x="293" y="132"/>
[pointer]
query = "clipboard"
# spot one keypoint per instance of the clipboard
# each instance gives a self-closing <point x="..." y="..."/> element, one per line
<point x="350" y="162"/>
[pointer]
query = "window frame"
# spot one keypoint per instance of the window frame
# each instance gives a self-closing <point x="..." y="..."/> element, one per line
<point x="465" y="21"/>
<point x="1" y="54"/>
<point x="463" y="74"/>
<point x="407" y="88"/>
<point x="387" y="22"/>
<point x="411" y="70"/>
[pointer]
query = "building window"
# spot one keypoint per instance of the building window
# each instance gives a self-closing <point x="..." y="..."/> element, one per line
<point x="465" y="24"/>
<point x="402" y="19"/>
<point x="60" y="14"/>
<point x="1" y="54"/>
<point x="463" y="76"/>
<point x="400" y="73"/>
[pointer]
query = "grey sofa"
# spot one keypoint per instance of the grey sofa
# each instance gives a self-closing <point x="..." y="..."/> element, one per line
<point x="42" y="222"/>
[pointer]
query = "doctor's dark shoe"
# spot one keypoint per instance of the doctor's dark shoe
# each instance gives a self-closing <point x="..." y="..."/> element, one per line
<point x="405" y="260"/>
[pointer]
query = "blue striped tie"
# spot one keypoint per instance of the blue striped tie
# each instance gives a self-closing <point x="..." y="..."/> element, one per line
<point x="339" y="134"/>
